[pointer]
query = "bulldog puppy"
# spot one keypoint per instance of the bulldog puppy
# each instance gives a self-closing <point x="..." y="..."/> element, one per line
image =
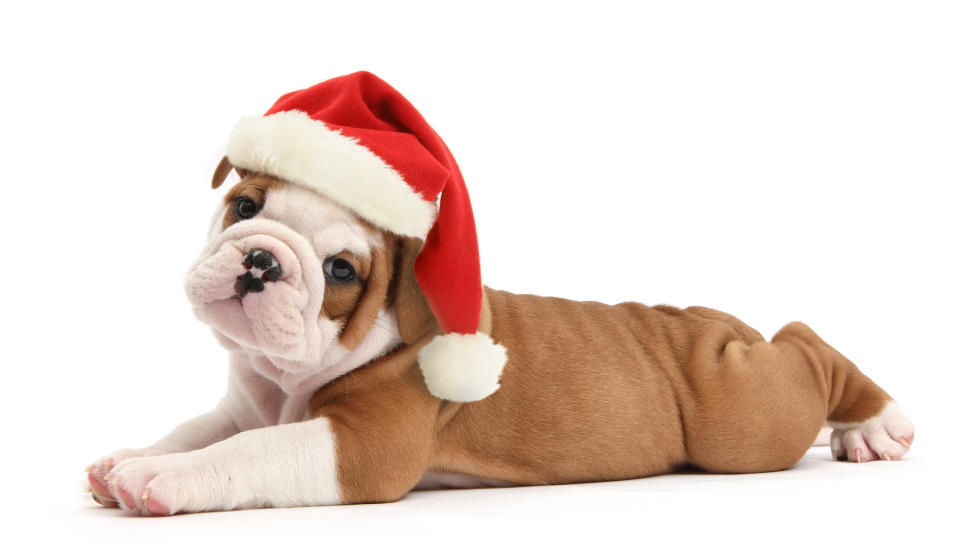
<point x="367" y="359"/>
<point x="323" y="320"/>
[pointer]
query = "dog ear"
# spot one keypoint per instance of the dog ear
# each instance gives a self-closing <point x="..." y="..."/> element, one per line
<point x="375" y="294"/>
<point x="220" y="174"/>
<point x="223" y="169"/>
<point x="414" y="317"/>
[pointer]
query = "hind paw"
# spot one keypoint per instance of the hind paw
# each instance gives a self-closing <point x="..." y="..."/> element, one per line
<point x="886" y="436"/>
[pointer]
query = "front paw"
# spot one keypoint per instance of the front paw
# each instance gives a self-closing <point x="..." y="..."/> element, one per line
<point x="97" y="472"/>
<point x="168" y="484"/>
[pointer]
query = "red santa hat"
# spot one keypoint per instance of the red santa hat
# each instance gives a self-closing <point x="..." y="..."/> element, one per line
<point x="356" y="140"/>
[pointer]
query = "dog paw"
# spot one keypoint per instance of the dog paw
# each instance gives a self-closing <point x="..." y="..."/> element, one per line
<point x="131" y="484"/>
<point x="886" y="436"/>
<point x="167" y="484"/>
<point x="98" y="470"/>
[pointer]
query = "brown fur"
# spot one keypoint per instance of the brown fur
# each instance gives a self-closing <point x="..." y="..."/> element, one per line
<point x="220" y="173"/>
<point x="590" y="391"/>
<point x="253" y="186"/>
<point x="339" y="300"/>
<point x="376" y="286"/>
<point x="413" y="313"/>
<point x="595" y="392"/>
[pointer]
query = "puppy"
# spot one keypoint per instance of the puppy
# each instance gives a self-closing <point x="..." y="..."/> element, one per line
<point x="366" y="359"/>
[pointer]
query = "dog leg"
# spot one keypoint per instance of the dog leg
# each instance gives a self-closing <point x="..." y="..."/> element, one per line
<point x="360" y="447"/>
<point x="777" y="395"/>
<point x="867" y="424"/>
<point x="279" y="466"/>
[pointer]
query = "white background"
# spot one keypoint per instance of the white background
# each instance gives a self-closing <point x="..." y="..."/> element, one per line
<point x="778" y="161"/>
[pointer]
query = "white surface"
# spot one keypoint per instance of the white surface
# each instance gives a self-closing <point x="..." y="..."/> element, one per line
<point x="820" y="506"/>
<point x="774" y="162"/>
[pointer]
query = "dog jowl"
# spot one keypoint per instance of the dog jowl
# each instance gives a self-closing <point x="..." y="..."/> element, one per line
<point x="341" y="274"/>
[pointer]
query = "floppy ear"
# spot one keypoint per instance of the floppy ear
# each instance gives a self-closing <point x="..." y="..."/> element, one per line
<point x="220" y="174"/>
<point x="374" y="296"/>
<point x="223" y="169"/>
<point x="414" y="317"/>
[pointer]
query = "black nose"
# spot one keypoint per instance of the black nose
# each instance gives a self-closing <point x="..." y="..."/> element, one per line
<point x="262" y="267"/>
<point x="264" y="260"/>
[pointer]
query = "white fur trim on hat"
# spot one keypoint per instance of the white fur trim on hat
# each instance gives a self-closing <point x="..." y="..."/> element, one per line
<point x="292" y="146"/>
<point x="462" y="367"/>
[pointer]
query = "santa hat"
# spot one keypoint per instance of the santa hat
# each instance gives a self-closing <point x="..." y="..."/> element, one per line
<point x="356" y="140"/>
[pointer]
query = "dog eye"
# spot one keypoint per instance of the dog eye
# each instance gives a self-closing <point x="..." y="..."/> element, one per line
<point x="244" y="208"/>
<point x="339" y="270"/>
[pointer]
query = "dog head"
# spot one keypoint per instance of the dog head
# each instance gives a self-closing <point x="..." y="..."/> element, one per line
<point x="289" y="275"/>
<point x="304" y="281"/>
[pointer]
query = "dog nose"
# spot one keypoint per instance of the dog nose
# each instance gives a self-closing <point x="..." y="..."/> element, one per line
<point x="265" y="261"/>
<point x="261" y="267"/>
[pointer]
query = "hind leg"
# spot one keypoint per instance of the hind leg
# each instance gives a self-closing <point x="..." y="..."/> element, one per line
<point x="760" y="405"/>
<point x="867" y="423"/>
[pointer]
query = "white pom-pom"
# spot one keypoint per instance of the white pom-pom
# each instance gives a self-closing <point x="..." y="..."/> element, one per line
<point x="462" y="367"/>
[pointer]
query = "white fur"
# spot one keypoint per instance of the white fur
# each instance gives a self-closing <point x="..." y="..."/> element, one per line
<point x="383" y="337"/>
<point x="281" y="466"/>
<point x="257" y="448"/>
<point x="343" y="236"/>
<point x="885" y="436"/>
<point x="462" y="367"/>
<point x="330" y="227"/>
<point x="295" y="147"/>
<point x="302" y="229"/>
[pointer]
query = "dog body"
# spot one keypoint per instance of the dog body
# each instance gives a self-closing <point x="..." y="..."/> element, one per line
<point x="326" y="403"/>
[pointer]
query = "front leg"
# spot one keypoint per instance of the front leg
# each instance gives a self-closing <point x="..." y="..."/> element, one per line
<point x="360" y="447"/>
<point x="279" y="466"/>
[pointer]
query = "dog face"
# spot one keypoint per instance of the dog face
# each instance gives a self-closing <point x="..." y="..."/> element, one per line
<point x="291" y="276"/>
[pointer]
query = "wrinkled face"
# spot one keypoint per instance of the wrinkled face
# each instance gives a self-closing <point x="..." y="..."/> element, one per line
<point x="291" y="275"/>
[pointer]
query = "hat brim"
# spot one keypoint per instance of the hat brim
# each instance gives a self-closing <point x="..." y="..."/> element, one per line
<point x="292" y="146"/>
